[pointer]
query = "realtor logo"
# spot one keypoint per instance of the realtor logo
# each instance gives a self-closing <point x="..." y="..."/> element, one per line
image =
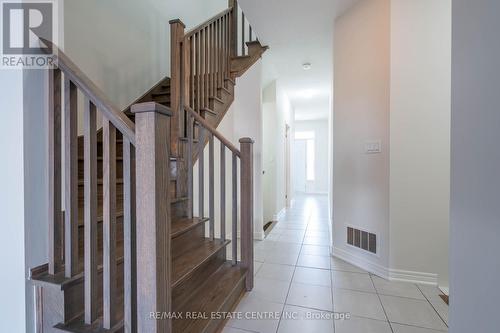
<point x="23" y="24"/>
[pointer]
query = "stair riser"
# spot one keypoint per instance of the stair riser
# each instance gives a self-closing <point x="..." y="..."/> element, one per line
<point x="182" y="292"/>
<point x="216" y="325"/>
<point x="179" y="209"/>
<point x="62" y="306"/>
<point x="188" y="240"/>
<point x="119" y="168"/>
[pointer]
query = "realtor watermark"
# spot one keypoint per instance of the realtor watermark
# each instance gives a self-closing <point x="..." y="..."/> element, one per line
<point x="251" y="315"/>
<point x="24" y="27"/>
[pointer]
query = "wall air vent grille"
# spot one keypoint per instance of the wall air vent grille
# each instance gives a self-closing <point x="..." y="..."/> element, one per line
<point x="362" y="239"/>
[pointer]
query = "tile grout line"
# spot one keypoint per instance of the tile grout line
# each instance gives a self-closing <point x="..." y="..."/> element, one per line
<point x="381" y="304"/>
<point x="439" y="315"/>
<point x="293" y="274"/>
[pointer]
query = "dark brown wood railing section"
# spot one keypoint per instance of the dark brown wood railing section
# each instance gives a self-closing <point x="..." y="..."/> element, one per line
<point x="242" y="157"/>
<point x="127" y="284"/>
<point x="201" y="66"/>
<point x="245" y="32"/>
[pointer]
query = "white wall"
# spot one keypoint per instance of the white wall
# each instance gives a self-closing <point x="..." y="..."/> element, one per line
<point x="124" y="45"/>
<point x="420" y="137"/>
<point x="12" y="237"/>
<point x="269" y="155"/>
<point x="475" y="161"/>
<point x="320" y="129"/>
<point x="278" y="113"/>
<point x="361" y="112"/>
<point x="243" y="119"/>
<point x="392" y="83"/>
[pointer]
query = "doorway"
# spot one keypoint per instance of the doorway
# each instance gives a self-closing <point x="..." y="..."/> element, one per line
<point x="304" y="160"/>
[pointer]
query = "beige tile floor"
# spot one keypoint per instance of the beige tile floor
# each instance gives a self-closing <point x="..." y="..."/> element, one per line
<point x="296" y="279"/>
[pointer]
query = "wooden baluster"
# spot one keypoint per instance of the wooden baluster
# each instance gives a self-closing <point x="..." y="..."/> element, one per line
<point x="90" y="214"/>
<point x="109" y="225"/>
<point x="192" y="58"/>
<point x="219" y="53"/>
<point x="225" y="56"/>
<point x="201" y="75"/>
<point x="71" y="177"/>
<point x="243" y="34"/>
<point x="129" y="238"/>
<point x="212" y="83"/>
<point x="186" y="69"/>
<point x="222" y="191"/>
<point x="246" y="182"/>
<point x="198" y="63"/>
<point x="211" y="190"/>
<point x="228" y="70"/>
<point x="176" y="37"/>
<point x="206" y="91"/>
<point x="250" y="33"/>
<point x="190" y="164"/>
<point x="153" y="216"/>
<point x="234" y="218"/>
<point x="222" y="48"/>
<point x="201" y="171"/>
<point x="56" y="229"/>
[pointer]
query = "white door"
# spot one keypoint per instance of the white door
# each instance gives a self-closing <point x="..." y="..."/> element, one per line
<point x="299" y="165"/>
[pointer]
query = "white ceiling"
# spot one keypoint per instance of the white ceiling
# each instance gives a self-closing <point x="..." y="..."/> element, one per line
<point x="298" y="32"/>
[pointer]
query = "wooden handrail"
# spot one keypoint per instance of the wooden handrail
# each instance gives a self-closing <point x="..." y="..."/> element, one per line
<point x="96" y="95"/>
<point x="212" y="130"/>
<point x="207" y="23"/>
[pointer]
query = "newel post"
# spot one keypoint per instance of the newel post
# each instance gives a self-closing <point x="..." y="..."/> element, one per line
<point x="152" y="126"/>
<point x="246" y="181"/>
<point x="176" y="37"/>
<point x="234" y="28"/>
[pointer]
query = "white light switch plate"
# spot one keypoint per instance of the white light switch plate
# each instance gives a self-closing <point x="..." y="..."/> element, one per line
<point x="373" y="147"/>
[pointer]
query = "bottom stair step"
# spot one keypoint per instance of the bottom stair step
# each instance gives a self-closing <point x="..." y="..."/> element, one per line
<point x="218" y="294"/>
<point x="185" y="265"/>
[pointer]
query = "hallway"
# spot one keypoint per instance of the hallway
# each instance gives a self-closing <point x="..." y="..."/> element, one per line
<point x="296" y="279"/>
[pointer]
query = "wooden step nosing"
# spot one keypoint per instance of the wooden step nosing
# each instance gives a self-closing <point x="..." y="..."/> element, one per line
<point x="189" y="228"/>
<point x="221" y="246"/>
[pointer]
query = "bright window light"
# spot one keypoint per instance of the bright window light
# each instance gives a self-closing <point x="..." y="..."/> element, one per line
<point x="309" y="138"/>
<point x="306" y="135"/>
<point x="310" y="160"/>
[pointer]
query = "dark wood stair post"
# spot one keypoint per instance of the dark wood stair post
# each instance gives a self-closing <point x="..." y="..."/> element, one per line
<point x="246" y="181"/>
<point x="176" y="100"/>
<point x="153" y="217"/>
<point x="233" y="28"/>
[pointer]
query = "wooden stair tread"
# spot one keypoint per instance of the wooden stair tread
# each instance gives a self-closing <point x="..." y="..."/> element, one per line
<point x="215" y="98"/>
<point x="183" y="225"/>
<point x="186" y="264"/>
<point x="78" y="326"/>
<point x="225" y="89"/>
<point x="184" y="139"/>
<point x="211" y="296"/>
<point x="209" y="111"/>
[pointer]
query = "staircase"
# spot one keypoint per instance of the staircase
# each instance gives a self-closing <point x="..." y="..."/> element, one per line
<point x="130" y="252"/>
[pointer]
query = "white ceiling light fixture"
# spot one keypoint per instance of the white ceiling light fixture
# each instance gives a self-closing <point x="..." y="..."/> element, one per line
<point x="306" y="66"/>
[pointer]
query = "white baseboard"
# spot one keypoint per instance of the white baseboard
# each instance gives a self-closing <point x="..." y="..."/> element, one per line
<point x="256" y="235"/>
<point x="413" y="277"/>
<point x="259" y="235"/>
<point x="445" y="290"/>
<point x="279" y="215"/>
<point x="385" y="272"/>
<point x="362" y="263"/>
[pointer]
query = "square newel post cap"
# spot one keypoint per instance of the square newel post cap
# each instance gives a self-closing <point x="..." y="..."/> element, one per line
<point x="151" y="107"/>
<point x="177" y="21"/>
<point x="247" y="140"/>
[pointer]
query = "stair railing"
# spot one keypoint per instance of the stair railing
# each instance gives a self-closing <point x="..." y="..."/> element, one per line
<point x="144" y="271"/>
<point x="245" y="158"/>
